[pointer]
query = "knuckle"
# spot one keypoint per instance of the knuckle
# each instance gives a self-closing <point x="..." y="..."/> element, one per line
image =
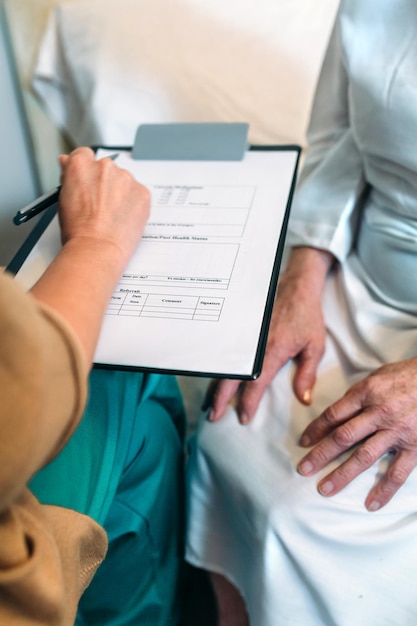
<point x="372" y="390"/>
<point x="328" y="417"/>
<point x="344" y="436"/>
<point x="364" y="456"/>
<point x="222" y="392"/>
<point x="127" y="181"/>
<point x="125" y="176"/>
<point x="78" y="153"/>
<point x="397" y="476"/>
<point x="74" y="164"/>
<point x="320" y="455"/>
<point x="248" y="401"/>
<point x="343" y="475"/>
<point x="105" y="165"/>
<point x="384" y="414"/>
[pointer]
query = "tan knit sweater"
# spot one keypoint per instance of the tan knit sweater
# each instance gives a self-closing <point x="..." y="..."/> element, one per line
<point x="48" y="554"/>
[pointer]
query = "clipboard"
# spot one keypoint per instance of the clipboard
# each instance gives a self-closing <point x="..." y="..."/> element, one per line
<point x="191" y="320"/>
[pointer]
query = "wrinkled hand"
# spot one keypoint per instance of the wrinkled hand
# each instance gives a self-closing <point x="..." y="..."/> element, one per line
<point x="380" y="414"/>
<point x="296" y="332"/>
<point x="101" y="202"/>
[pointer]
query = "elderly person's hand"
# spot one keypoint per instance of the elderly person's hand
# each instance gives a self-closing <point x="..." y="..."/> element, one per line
<point x="296" y="332"/>
<point x="380" y="414"/>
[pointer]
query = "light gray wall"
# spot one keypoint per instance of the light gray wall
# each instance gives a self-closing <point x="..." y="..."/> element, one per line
<point x="18" y="178"/>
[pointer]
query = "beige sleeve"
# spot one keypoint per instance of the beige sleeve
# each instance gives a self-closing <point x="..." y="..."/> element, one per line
<point x="48" y="554"/>
<point x="43" y="386"/>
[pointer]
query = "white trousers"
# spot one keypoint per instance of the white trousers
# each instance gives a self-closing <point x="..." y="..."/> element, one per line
<point x="297" y="557"/>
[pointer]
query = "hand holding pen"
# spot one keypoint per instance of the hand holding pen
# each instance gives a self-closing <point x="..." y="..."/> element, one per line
<point x="98" y="200"/>
<point x="102" y="214"/>
<point x="44" y="202"/>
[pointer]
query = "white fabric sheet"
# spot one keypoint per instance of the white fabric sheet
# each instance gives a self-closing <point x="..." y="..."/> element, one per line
<point x="296" y="557"/>
<point x="106" y="66"/>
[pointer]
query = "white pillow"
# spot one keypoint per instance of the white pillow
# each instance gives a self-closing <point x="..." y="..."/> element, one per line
<point x="106" y="66"/>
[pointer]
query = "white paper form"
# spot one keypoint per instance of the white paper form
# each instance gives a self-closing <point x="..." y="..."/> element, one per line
<point x="193" y="296"/>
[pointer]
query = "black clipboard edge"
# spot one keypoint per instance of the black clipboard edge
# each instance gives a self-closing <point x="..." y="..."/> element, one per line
<point x="24" y="250"/>
<point x="270" y="300"/>
<point x="19" y="258"/>
<point x="173" y="372"/>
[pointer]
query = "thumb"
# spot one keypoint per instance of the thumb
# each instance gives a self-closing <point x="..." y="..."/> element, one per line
<point x="305" y="377"/>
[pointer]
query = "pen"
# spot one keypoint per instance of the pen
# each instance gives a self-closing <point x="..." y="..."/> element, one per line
<point x="45" y="201"/>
